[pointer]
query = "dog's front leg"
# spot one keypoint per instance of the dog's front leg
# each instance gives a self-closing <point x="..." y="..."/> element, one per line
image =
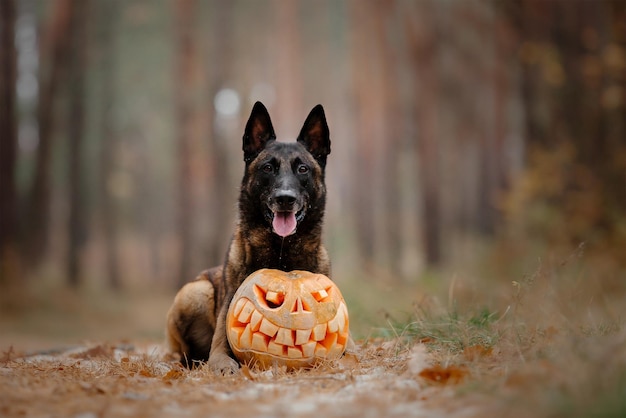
<point x="220" y="361"/>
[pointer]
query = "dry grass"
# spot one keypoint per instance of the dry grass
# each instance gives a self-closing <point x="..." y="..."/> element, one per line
<point x="549" y="343"/>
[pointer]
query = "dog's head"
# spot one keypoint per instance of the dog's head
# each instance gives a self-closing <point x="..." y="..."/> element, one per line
<point x="283" y="186"/>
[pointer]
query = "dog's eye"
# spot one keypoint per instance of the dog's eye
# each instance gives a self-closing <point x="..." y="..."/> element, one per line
<point x="267" y="168"/>
<point x="303" y="169"/>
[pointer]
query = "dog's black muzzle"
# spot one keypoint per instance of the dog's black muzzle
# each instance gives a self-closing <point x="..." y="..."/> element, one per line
<point x="285" y="211"/>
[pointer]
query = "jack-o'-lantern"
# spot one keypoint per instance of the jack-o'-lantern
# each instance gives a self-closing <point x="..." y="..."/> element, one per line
<point x="293" y="319"/>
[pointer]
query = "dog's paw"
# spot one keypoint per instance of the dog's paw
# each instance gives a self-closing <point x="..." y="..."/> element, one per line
<point x="222" y="364"/>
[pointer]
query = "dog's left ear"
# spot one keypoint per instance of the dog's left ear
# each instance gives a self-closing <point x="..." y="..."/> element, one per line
<point x="315" y="135"/>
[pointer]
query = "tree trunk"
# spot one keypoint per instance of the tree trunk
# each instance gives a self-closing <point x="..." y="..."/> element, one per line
<point x="108" y="206"/>
<point x="53" y="62"/>
<point x="365" y="116"/>
<point x="77" y="220"/>
<point x="8" y="144"/>
<point x="289" y="75"/>
<point x="184" y="109"/>
<point x="422" y="40"/>
<point x="220" y="188"/>
<point x="390" y="112"/>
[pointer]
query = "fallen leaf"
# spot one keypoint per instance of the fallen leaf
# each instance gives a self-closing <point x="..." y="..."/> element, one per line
<point x="476" y="352"/>
<point x="172" y="375"/>
<point x="444" y="375"/>
<point x="99" y="351"/>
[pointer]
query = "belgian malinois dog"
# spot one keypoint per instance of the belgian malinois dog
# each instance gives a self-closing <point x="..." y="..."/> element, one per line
<point x="281" y="208"/>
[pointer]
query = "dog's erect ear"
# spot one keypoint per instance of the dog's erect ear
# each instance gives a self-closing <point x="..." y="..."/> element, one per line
<point x="315" y="135"/>
<point x="259" y="131"/>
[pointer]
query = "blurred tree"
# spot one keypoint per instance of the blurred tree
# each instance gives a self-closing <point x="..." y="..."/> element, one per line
<point x="53" y="63"/>
<point x="289" y="68"/>
<point x="77" y="222"/>
<point x="109" y="17"/>
<point x="376" y="94"/>
<point x="386" y="30"/>
<point x="367" y="130"/>
<point x="8" y="144"/>
<point x="423" y="34"/>
<point x="219" y="183"/>
<point x="572" y="58"/>
<point x="435" y="109"/>
<point x="185" y="86"/>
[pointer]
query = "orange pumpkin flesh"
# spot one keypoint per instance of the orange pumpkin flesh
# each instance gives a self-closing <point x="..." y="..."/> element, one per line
<point x="293" y="319"/>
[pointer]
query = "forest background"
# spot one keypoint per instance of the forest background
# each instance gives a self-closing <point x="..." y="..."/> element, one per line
<point x="474" y="143"/>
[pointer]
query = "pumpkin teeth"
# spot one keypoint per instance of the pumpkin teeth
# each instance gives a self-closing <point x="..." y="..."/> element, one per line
<point x="303" y="336"/>
<point x="285" y="337"/>
<point x="260" y="342"/>
<point x="239" y="306"/>
<point x="268" y="328"/>
<point x="319" y="332"/>
<point x="308" y="349"/>
<point x="246" y="312"/>
<point x="251" y="331"/>
<point x="255" y="320"/>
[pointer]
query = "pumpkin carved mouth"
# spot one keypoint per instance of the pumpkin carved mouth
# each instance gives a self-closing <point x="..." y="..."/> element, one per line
<point x="290" y="318"/>
<point x="253" y="332"/>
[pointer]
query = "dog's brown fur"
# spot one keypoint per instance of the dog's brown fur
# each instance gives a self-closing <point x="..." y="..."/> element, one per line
<point x="196" y="321"/>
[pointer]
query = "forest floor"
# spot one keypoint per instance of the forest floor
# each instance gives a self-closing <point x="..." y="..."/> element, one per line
<point x="550" y="344"/>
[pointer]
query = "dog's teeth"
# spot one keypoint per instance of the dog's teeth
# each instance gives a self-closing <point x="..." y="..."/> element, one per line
<point x="268" y="328"/>
<point x="303" y="336"/>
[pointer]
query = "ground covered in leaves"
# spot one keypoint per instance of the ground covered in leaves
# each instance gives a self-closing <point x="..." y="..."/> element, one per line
<point x="388" y="377"/>
<point x="550" y="344"/>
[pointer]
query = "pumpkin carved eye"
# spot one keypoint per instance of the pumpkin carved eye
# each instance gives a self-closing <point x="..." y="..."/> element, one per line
<point x="273" y="299"/>
<point x="322" y="295"/>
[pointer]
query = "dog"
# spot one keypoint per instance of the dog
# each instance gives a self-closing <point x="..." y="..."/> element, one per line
<point x="281" y="209"/>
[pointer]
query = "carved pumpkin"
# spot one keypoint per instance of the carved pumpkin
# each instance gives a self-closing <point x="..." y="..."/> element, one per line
<point x="292" y="319"/>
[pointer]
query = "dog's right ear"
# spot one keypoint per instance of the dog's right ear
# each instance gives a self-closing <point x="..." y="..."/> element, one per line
<point x="259" y="131"/>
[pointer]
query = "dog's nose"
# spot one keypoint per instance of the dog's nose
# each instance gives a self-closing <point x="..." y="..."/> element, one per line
<point x="285" y="199"/>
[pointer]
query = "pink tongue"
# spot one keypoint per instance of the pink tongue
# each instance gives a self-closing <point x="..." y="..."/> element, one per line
<point x="284" y="223"/>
